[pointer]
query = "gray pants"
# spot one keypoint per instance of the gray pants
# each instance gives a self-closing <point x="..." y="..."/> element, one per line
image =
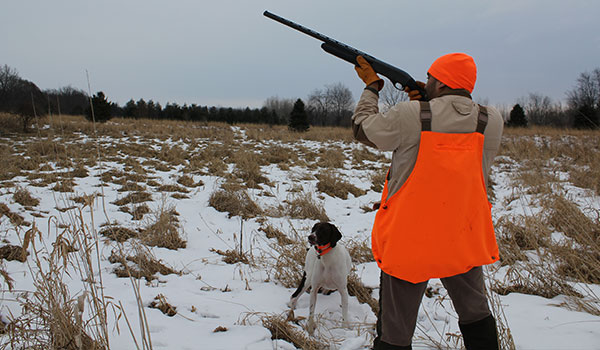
<point x="400" y="301"/>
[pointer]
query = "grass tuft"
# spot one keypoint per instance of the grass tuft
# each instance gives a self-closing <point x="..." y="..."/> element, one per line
<point x="23" y="197"/>
<point x="163" y="229"/>
<point x="303" y="206"/>
<point x="236" y="203"/>
<point x="333" y="185"/>
<point x="280" y="328"/>
<point x="160" y="302"/>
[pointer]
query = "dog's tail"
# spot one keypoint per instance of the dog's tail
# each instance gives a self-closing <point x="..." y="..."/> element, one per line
<point x="300" y="286"/>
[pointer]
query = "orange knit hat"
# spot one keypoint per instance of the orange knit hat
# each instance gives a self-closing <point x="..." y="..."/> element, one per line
<point x="457" y="70"/>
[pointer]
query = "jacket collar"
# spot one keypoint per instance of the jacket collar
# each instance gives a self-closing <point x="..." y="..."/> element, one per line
<point x="456" y="92"/>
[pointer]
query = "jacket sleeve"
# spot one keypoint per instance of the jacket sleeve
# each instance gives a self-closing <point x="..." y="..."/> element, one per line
<point x="367" y="105"/>
<point x="384" y="131"/>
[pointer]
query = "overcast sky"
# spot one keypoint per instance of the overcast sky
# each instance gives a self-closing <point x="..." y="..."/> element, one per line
<point x="226" y="53"/>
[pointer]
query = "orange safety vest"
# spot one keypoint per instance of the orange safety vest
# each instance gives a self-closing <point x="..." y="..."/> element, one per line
<point x="439" y="223"/>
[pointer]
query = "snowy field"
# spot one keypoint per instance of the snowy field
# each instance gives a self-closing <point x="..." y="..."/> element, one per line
<point x="214" y="304"/>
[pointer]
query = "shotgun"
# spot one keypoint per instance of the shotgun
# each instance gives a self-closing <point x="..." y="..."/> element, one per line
<point x="349" y="54"/>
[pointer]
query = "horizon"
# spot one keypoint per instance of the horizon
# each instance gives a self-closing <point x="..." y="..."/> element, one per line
<point x="195" y="53"/>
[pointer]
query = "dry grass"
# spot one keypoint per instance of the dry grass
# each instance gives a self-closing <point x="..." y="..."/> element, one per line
<point x="163" y="229"/>
<point x="160" y="302"/>
<point x="51" y="317"/>
<point x="335" y="186"/>
<point x="545" y="160"/>
<point x="364" y="294"/>
<point x="283" y="134"/>
<point x="287" y="265"/>
<point x="137" y="211"/>
<point x="173" y="155"/>
<point x="281" y="328"/>
<point x="236" y="203"/>
<point x="24" y="197"/>
<point x="574" y="151"/>
<point x="172" y="188"/>
<point x="333" y="157"/>
<point x="66" y="185"/>
<point x="187" y="181"/>
<point x="247" y="169"/>
<point x="131" y="186"/>
<point x="118" y="233"/>
<point x="586" y="177"/>
<point x="11" y="252"/>
<point x="363" y="158"/>
<point x="539" y="265"/>
<point x="10" y="123"/>
<point x="232" y="256"/>
<point x="304" y="206"/>
<point x="138" y="263"/>
<point x="15" y="219"/>
<point x="134" y="197"/>
<point x="272" y="232"/>
<point x="565" y="216"/>
<point x="360" y="250"/>
<point x="276" y="154"/>
<point x="519" y="234"/>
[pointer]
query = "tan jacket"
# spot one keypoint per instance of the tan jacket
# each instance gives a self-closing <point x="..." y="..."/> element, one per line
<point x="399" y="130"/>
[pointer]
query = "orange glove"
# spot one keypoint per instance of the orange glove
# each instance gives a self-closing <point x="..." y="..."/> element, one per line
<point x="415" y="95"/>
<point x="366" y="73"/>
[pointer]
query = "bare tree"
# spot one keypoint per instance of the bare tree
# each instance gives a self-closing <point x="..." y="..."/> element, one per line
<point x="342" y="103"/>
<point x="20" y="96"/>
<point x="389" y="96"/>
<point x="281" y="106"/>
<point x="331" y="106"/>
<point x="318" y="107"/>
<point x="537" y="108"/>
<point x="9" y="81"/>
<point x="67" y="100"/>
<point x="587" y="90"/>
<point x="584" y="100"/>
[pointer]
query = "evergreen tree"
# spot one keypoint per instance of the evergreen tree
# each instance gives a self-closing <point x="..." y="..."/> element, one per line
<point x="298" y="117"/>
<point x="517" y="117"/>
<point x="101" y="108"/>
<point x="129" y="111"/>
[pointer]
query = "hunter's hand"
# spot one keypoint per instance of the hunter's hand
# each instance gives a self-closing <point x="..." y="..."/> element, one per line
<point x="415" y="95"/>
<point x="367" y="74"/>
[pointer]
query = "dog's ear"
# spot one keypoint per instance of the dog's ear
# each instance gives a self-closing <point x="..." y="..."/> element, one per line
<point x="335" y="235"/>
<point x="316" y="226"/>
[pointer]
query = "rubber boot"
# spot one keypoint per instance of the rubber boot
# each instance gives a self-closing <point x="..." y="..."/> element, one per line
<point x="480" y="335"/>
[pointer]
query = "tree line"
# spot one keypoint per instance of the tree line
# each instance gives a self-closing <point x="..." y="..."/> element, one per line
<point x="331" y="105"/>
<point x="582" y="109"/>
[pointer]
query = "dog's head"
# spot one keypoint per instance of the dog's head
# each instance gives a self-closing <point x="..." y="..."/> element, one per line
<point x="323" y="233"/>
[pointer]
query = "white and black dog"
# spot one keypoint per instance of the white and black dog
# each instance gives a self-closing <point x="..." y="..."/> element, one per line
<point x="326" y="267"/>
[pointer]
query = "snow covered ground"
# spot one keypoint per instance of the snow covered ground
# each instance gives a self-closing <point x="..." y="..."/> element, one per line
<point x="210" y="293"/>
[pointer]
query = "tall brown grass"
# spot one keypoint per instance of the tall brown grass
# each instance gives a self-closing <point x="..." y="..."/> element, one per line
<point x="540" y="262"/>
<point x="545" y="163"/>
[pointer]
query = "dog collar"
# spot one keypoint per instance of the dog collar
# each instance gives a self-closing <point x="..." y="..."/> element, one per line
<point x="323" y="249"/>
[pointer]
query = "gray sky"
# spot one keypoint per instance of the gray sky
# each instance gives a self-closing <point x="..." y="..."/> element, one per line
<point x="226" y="53"/>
